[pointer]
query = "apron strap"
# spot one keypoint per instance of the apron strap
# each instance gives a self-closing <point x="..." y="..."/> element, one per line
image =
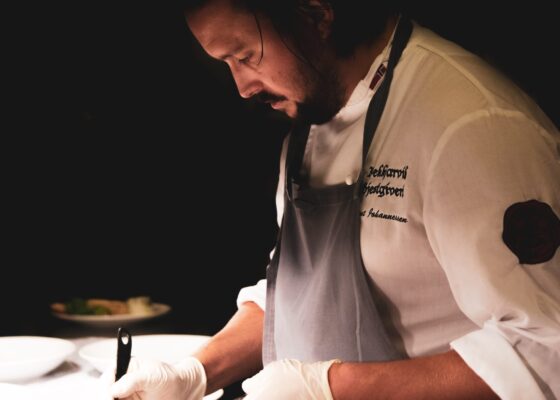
<point x="377" y="105"/>
<point x="294" y="157"/>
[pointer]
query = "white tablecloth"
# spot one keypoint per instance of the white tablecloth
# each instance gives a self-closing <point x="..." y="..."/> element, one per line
<point x="75" y="379"/>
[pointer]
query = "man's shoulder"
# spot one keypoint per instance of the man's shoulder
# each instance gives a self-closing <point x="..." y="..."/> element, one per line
<point x="453" y="69"/>
<point x="450" y="82"/>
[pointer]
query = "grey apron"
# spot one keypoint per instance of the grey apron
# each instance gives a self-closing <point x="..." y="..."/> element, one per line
<point x="320" y="303"/>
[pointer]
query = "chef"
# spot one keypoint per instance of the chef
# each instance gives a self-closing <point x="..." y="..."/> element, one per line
<point x="418" y="206"/>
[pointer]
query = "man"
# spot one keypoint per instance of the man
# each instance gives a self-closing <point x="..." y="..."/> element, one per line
<point x="419" y="218"/>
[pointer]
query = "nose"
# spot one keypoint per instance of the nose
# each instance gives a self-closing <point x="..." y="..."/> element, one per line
<point x="247" y="82"/>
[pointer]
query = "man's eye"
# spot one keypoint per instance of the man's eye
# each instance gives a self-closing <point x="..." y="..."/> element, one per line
<point x="246" y="60"/>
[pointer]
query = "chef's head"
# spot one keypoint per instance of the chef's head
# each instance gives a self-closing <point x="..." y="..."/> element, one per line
<point x="293" y="54"/>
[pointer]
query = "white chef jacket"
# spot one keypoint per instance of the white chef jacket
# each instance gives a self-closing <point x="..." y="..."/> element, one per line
<point x="456" y="146"/>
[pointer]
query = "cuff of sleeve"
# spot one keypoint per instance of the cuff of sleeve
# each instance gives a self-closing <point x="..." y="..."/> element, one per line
<point x="256" y="294"/>
<point x="492" y="358"/>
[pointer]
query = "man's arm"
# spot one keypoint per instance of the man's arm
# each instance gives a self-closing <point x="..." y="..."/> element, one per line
<point x="235" y="352"/>
<point x="442" y="376"/>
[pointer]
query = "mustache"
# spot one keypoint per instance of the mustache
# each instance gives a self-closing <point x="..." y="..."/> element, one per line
<point x="264" y="97"/>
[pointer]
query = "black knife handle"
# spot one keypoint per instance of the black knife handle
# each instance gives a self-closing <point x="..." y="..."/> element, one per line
<point x="124" y="348"/>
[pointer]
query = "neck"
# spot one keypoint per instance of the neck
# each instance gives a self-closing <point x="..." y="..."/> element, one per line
<point x="355" y="68"/>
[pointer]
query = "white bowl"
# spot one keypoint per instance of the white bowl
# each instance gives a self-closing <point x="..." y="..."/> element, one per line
<point x="167" y="348"/>
<point x="27" y="357"/>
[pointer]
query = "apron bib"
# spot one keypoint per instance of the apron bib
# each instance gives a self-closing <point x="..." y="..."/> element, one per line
<point x="320" y="304"/>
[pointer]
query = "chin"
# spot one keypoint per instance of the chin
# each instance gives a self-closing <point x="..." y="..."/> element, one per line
<point x="291" y="114"/>
<point x="290" y="110"/>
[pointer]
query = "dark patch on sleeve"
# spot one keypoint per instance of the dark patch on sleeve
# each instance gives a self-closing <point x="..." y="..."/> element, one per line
<point x="531" y="231"/>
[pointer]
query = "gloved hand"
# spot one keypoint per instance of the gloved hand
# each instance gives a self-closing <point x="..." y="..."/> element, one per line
<point x="290" y="380"/>
<point x="154" y="380"/>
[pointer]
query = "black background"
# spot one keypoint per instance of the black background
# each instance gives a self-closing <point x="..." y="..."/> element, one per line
<point x="138" y="170"/>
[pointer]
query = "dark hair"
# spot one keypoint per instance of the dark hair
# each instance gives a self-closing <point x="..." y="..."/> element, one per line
<point x="353" y="23"/>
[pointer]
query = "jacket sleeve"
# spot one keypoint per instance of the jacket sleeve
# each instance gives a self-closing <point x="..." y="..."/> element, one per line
<point x="491" y="211"/>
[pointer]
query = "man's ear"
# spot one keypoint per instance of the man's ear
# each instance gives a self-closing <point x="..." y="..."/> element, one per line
<point x="321" y="15"/>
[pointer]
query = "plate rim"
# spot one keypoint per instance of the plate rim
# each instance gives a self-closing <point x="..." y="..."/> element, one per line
<point x="163" y="309"/>
<point x="83" y="349"/>
<point x="71" y="348"/>
<point x="141" y="337"/>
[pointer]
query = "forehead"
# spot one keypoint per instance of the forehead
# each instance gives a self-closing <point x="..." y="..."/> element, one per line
<point x="219" y="25"/>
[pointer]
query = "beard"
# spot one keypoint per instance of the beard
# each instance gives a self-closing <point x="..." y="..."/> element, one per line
<point x="324" y="93"/>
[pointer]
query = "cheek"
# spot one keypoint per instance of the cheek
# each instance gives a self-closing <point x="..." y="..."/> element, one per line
<point x="288" y="83"/>
<point x="285" y="74"/>
<point x="279" y="78"/>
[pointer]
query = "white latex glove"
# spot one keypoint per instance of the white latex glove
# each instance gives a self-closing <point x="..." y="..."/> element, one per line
<point x="290" y="380"/>
<point x="155" y="380"/>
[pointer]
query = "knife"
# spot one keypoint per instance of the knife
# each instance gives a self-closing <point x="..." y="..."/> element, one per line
<point x="124" y="348"/>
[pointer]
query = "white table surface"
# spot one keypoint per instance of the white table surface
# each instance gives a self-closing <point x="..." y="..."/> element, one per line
<point x="73" y="379"/>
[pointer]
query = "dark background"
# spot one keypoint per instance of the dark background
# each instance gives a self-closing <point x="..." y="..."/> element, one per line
<point x="138" y="170"/>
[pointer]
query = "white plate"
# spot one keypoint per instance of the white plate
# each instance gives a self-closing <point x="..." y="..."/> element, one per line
<point x="108" y="321"/>
<point x="26" y="357"/>
<point x="167" y="348"/>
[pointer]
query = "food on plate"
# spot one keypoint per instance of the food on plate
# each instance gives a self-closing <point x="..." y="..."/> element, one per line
<point x="112" y="307"/>
<point x="141" y="305"/>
